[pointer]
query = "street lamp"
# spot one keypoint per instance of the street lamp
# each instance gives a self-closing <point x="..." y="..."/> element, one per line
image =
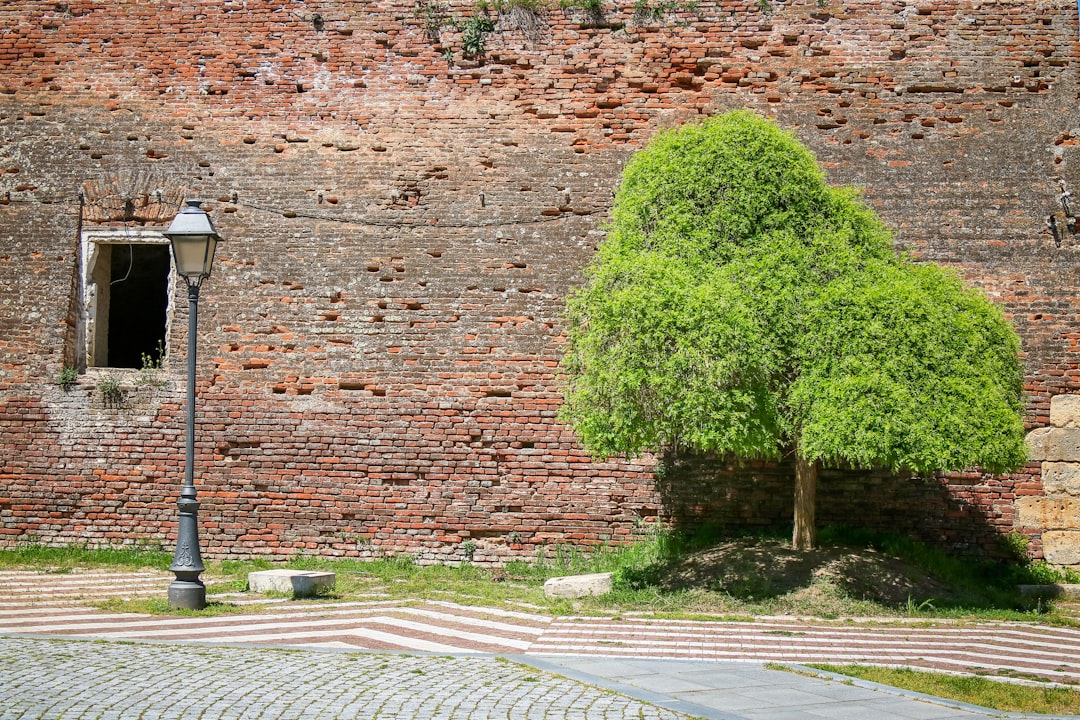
<point x="193" y="240"/>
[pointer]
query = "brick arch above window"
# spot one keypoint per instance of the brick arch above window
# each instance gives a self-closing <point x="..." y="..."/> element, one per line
<point x="149" y="197"/>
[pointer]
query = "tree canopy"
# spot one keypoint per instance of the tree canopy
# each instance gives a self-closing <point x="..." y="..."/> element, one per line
<point x="741" y="305"/>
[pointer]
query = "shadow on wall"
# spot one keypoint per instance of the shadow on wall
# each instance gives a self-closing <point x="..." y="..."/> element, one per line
<point x="962" y="513"/>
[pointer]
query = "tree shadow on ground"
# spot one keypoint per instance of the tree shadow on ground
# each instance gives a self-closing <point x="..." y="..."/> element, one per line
<point x="757" y="568"/>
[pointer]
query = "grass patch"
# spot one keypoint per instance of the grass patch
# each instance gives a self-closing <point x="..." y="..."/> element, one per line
<point x="160" y="606"/>
<point x="667" y="574"/>
<point x="68" y="558"/>
<point x="1006" y="697"/>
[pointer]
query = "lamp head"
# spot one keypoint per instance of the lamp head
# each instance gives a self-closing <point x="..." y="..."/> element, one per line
<point x="193" y="240"/>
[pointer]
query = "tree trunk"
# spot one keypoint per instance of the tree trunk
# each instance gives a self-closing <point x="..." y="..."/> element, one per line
<point x="806" y="475"/>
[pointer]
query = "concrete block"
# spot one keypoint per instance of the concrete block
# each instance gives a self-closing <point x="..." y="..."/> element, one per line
<point x="1051" y="444"/>
<point x="1056" y="591"/>
<point x="1065" y="411"/>
<point x="575" y="586"/>
<point x="1048" y="513"/>
<point x="1062" y="547"/>
<point x="298" y="583"/>
<point x="1061" y="478"/>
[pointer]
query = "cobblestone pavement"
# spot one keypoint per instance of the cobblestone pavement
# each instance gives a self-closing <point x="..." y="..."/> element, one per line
<point x="48" y="679"/>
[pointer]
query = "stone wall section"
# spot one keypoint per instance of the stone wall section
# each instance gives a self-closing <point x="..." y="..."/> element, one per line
<point x="380" y="340"/>
<point x="1057" y="512"/>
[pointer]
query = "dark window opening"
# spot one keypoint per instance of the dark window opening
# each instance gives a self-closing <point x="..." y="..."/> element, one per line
<point x="138" y="299"/>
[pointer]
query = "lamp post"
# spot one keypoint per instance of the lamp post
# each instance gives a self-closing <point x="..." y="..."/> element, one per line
<point x="193" y="241"/>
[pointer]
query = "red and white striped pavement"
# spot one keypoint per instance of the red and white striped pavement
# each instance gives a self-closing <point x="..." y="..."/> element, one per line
<point x="59" y="605"/>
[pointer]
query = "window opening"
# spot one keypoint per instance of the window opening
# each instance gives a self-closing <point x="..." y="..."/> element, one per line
<point x="127" y="282"/>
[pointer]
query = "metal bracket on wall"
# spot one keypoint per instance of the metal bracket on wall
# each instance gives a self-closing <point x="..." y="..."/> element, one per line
<point x="1058" y="222"/>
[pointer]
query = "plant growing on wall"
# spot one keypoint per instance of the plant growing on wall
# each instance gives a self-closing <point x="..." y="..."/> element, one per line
<point x="67" y="379"/>
<point x="434" y="16"/>
<point x="522" y="15"/>
<point x="473" y="34"/>
<point x="647" y="12"/>
<point x="742" y="306"/>
<point x="592" y="9"/>
<point x="150" y="372"/>
<point x="468" y="550"/>
<point x="112" y="392"/>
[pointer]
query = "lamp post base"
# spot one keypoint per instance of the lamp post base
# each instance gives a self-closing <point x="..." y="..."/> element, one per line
<point x="187" y="594"/>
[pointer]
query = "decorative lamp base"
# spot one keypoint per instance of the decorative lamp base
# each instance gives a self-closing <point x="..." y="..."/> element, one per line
<point x="187" y="594"/>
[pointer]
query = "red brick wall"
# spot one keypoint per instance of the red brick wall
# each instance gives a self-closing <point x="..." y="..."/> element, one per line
<point x="380" y="339"/>
<point x="964" y="512"/>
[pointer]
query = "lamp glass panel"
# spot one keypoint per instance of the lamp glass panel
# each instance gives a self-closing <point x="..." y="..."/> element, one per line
<point x="193" y="254"/>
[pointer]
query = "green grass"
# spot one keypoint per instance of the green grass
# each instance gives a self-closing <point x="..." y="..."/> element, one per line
<point x="1003" y="696"/>
<point x="68" y="558"/>
<point x="740" y="583"/>
<point x="160" y="606"/>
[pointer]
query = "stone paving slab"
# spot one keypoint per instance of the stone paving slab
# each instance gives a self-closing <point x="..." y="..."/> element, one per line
<point x="750" y="691"/>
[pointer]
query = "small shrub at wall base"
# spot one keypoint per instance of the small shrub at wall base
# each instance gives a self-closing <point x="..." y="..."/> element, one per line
<point x="1015" y="545"/>
<point x="1037" y="571"/>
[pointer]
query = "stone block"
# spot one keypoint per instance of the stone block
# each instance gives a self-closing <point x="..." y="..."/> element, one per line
<point x="1038" y="441"/>
<point x="1051" y="444"/>
<point x="1061" y="478"/>
<point x="1051" y="592"/>
<point x="1062" y="547"/>
<point x="1048" y="513"/>
<point x="575" y="586"/>
<point x="1065" y="411"/>
<point x="298" y="583"/>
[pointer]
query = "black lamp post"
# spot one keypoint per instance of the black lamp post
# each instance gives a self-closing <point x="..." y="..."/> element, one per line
<point x="193" y="240"/>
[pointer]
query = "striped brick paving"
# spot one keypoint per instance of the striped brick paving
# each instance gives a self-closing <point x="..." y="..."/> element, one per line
<point x="994" y="648"/>
<point x="43" y="604"/>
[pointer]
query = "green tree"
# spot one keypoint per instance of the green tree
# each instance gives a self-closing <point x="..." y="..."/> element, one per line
<point x="740" y="305"/>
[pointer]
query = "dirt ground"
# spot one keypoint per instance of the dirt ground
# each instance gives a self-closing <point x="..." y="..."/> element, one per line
<point x="757" y="568"/>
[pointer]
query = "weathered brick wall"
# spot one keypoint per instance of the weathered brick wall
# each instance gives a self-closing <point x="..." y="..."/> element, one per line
<point x="966" y="513"/>
<point x="380" y="339"/>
